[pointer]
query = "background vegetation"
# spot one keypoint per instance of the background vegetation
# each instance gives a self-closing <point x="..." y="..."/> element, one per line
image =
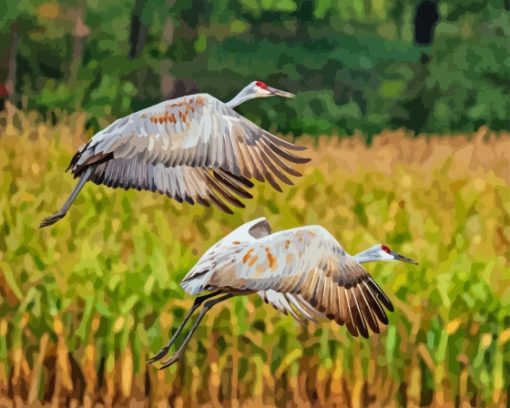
<point x="429" y="66"/>
<point x="83" y="304"/>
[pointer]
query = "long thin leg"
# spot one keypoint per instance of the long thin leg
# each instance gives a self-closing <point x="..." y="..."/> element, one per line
<point x="52" y="219"/>
<point x="207" y="306"/>
<point x="164" y="350"/>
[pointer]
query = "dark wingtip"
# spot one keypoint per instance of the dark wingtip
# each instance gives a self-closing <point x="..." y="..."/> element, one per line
<point x="352" y="330"/>
<point x="298" y="147"/>
<point x="384" y="319"/>
<point x="203" y="202"/>
<point x="189" y="200"/>
<point x="273" y="182"/>
<point x="241" y="179"/>
<point x="364" y="334"/>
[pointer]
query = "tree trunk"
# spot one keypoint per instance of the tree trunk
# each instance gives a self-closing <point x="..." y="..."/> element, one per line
<point x="79" y="34"/>
<point x="367" y="6"/>
<point x="167" y="79"/>
<point x="10" y="83"/>
<point x="139" y="30"/>
<point x="425" y="20"/>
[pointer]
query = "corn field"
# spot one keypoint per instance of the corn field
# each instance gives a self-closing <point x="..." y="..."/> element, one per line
<point x="86" y="302"/>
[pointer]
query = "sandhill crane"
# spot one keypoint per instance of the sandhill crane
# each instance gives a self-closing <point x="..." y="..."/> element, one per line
<point x="303" y="272"/>
<point x="194" y="148"/>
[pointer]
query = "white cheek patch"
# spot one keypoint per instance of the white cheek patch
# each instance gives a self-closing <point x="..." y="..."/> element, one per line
<point x="386" y="256"/>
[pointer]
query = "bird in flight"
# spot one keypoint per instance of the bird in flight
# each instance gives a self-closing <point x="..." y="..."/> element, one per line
<point x="302" y="271"/>
<point x="194" y="149"/>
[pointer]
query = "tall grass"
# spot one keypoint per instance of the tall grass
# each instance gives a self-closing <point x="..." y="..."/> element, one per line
<point x="84" y="303"/>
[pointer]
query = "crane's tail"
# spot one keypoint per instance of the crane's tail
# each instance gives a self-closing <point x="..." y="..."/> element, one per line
<point x="52" y="219"/>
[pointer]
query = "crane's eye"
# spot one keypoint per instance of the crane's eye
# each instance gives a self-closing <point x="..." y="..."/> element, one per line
<point x="261" y="84"/>
<point x="386" y="249"/>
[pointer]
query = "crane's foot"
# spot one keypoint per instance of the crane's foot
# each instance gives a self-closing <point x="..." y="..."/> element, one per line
<point x="161" y="353"/>
<point x="176" y="357"/>
<point x="52" y="219"/>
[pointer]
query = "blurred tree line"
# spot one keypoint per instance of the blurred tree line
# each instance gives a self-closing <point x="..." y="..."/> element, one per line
<point x="426" y="65"/>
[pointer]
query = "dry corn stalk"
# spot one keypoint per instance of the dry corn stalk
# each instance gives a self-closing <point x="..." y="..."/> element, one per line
<point x="214" y="380"/>
<point x="63" y="383"/>
<point x="89" y="365"/>
<point x="37" y="370"/>
<point x="126" y="372"/>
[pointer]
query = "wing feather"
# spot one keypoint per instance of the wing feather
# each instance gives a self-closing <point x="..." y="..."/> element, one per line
<point x="231" y="184"/>
<point x="274" y="169"/>
<point x="302" y="307"/>
<point x="375" y="306"/>
<point x="281" y="303"/>
<point x="350" y="321"/>
<point x="280" y="163"/>
<point x="367" y="312"/>
<point x="183" y="183"/>
<point x="291" y="304"/>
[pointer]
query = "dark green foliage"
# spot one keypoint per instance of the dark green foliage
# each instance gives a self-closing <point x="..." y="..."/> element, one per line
<point x="354" y="64"/>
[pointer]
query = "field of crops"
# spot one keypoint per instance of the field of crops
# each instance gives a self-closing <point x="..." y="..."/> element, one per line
<point x="84" y="303"/>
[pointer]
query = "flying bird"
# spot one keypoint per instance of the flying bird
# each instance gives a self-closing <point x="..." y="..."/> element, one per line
<point x="194" y="148"/>
<point x="302" y="271"/>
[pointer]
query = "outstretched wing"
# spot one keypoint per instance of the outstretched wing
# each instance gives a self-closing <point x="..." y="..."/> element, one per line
<point x="196" y="131"/>
<point x="307" y="262"/>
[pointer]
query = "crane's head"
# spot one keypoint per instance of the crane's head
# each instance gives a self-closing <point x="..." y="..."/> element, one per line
<point x="262" y="90"/>
<point x="381" y="252"/>
<point x="257" y="89"/>
<point x="388" y="255"/>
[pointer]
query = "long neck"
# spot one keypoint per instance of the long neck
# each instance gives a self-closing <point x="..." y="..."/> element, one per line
<point x="241" y="97"/>
<point x="365" y="256"/>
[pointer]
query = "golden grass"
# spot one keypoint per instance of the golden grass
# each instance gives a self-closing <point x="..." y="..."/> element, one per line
<point x="83" y="304"/>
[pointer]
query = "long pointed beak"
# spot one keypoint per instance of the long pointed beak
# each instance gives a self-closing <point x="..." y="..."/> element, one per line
<point x="402" y="258"/>
<point x="278" y="92"/>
